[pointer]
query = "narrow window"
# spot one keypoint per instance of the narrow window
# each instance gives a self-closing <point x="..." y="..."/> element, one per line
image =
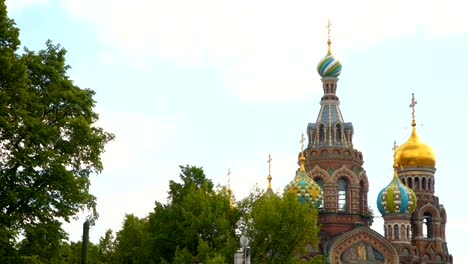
<point x="322" y="133"/>
<point x="410" y="182"/>
<point x="320" y="183"/>
<point x="342" y="189"/>
<point x="427" y="222"/>
<point x="338" y="133"/>
<point x="396" y="232"/>
<point x="424" y="183"/>
<point x="416" y="183"/>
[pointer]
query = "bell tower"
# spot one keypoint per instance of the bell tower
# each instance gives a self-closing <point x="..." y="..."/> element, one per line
<point x="332" y="161"/>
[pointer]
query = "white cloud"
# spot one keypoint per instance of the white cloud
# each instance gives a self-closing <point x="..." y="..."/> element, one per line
<point x="17" y="5"/>
<point x="244" y="38"/>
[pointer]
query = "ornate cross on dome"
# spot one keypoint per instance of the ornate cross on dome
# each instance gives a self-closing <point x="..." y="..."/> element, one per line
<point x="229" y="180"/>
<point x="269" y="171"/>
<point x="302" y="143"/>
<point x="412" y="105"/>
<point x="329" y="41"/>
<point x="395" y="147"/>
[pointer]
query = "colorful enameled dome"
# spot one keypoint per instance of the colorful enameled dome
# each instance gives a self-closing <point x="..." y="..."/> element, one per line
<point x="306" y="189"/>
<point x="414" y="152"/>
<point x="329" y="66"/>
<point x="396" y="198"/>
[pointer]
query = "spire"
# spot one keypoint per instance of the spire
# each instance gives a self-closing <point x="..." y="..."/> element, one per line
<point x="269" y="171"/>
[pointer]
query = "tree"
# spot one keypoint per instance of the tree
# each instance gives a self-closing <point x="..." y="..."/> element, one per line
<point x="49" y="143"/>
<point x="130" y="240"/>
<point x="279" y="228"/>
<point x="197" y="221"/>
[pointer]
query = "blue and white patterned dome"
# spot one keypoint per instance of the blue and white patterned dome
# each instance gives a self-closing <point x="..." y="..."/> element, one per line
<point x="396" y="198"/>
<point x="329" y="66"/>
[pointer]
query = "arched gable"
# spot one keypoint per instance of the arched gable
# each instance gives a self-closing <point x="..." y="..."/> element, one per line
<point x="443" y="214"/>
<point x="344" y="172"/>
<point x="363" y="178"/>
<point x="428" y="208"/>
<point x="363" y="240"/>
<point x="318" y="172"/>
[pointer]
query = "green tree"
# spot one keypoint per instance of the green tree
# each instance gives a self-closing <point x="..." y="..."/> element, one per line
<point x="130" y="240"/>
<point x="197" y="221"/>
<point x="279" y="228"/>
<point x="49" y="143"/>
<point x="106" y="247"/>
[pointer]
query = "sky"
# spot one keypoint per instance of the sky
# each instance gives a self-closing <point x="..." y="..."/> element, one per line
<point x="222" y="84"/>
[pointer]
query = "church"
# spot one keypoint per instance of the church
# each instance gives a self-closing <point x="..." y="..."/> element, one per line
<point x="331" y="177"/>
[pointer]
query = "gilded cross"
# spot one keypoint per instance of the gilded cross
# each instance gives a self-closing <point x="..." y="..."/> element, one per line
<point x="329" y="41"/>
<point x="302" y="142"/>
<point x="269" y="164"/>
<point x="395" y="147"/>
<point x="229" y="178"/>
<point x="412" y="105"/>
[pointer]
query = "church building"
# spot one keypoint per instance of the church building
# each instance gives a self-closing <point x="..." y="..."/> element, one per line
<point x="335" y="181"/>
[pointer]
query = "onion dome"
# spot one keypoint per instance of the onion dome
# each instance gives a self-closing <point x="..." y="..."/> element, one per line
<point x="306" y="189"/>
<point x="329" y="66"/>
<point x="396" y="198"/>
<point x="414" y="152"/>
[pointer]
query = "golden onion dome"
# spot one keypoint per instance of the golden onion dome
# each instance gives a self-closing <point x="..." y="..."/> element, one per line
<point x="414" y="152"/>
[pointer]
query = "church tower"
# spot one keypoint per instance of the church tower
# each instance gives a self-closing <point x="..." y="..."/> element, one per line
<point x="332" y="161"/>
<point x="416" y="168"/>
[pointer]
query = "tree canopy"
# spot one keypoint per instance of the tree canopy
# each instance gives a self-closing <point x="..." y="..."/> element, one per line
<point x="49" y="144"/>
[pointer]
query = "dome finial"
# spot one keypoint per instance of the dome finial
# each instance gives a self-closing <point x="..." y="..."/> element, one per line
<point x="302" y="158"/>
<point x="269" y="171"/>
<point x="329" y="40"/>
<point x="229" y="192"/>
<point x="412" y="105"/>
<point x="395" y="163"/>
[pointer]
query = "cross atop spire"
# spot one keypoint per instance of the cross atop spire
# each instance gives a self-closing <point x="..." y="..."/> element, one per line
<point x="412" y="105"/>
<point x="269" y="171"/>
<point x="329" y="41"/>
<point x="229" y="181"/>
<point x="302" y="144"/>
<point x="395" y="147"/>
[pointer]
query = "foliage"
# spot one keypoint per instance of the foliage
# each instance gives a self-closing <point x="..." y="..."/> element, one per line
<point x="49" y="146"/>
<point x="279" y="227"/>
<point x="197" y="220"/>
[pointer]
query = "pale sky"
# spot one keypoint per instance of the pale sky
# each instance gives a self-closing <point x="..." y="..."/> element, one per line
<point x="221" y="84"/>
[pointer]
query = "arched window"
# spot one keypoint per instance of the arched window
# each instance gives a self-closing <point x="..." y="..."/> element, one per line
<point x="424" y="183"/>
<point x="429" y="184"/>
<point x="408" y="233"/>
<point x="427" y="225"/>
<point x="410" y="182"/>
<point x="389" y="231"/>
<point x="321" y="133"/>
<point x="403" y="232"/>
<point x="320" y="183"/>
<point x="363" y="197"/>
<point x="416" y="183"/>
<point x="396" y="232"/>
<point x="403" y="180"/>
<point x="342" y="191"/>
<point x="338" y="133"/>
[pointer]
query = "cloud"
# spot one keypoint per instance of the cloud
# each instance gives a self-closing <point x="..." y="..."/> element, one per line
<point x="264" y="48"/>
